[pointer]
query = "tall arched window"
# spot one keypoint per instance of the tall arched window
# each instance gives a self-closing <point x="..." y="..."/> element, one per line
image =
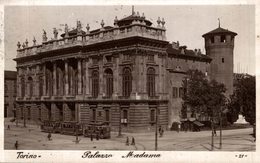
<point x="151" y="82"/>
<point x="30" y="86"/>
<point x="22" y="87"/>
<point x="127" y="82"/>
<point x="95" y="83"/>
<point x="40" y="86"/>
<point x="109" y="82"/>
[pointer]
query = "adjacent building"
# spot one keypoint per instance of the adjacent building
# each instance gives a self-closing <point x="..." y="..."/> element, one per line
<point x="9" y="93"/>
<point x="124" y="74"/>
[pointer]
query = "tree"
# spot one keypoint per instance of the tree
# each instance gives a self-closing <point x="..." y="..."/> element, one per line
<point x="243" y="99"/>
<point x="232" y="114"/>
<point x="203" y="95"/>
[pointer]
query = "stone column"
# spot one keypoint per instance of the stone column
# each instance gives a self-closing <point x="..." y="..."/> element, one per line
<point x="87" y="77"/>
<point x="37" y="79"/>
<point x="66" y="78"/>
<point x="26" y="82"/>
<point x="100" y="78"/>
<point x="116" y="85"/>
<point x="54" y="86"/>
<point x="44" y="79"/>
<point x="79" y="76"/>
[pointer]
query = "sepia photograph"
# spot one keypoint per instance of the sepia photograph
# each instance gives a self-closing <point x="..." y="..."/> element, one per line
<point x="134" y="78"/>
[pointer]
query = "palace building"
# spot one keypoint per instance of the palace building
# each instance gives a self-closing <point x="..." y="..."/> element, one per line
<point x="122" y="74"/>
<point x="9" y="93"/>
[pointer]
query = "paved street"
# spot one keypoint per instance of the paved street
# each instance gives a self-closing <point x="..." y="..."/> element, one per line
<point x="31" y="138"/>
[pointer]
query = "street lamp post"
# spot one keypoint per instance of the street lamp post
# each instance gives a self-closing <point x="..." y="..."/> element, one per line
<point x="220" y="129"/>
<point x="119" y="127"/>
<point x="156" y="129"/>
<point x="212" y="131"/>
<point x="24" y="121"/>
<point x="212" y="136"/>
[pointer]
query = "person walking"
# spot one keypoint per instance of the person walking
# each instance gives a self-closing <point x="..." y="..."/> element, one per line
<point x="214" y="131"/>
<point x="49" y="136"/>
<point x="127" y="141"/>
<point x="133" y="141"/>
<point x="16" y="145"/>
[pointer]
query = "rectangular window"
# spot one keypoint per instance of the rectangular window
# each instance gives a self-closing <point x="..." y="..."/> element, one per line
<point x="212" y="39"/>
<point x="223" y="60"/>
<point x="174" y="92"/>
<point x="15" y="88"/>
<point x="223" y="38"/>
<point x="109" y="59"/>
<point x="124" y="118"/>
<point x="126" y="57"/>
<point x="94" y="60"/>
<point x="152" y="115"/>
<point x="6" y="89"/>
<point x="29" y="113"/>
<point x="151" y="57"/>
<point x="107" y="115"/>
<point x="94" y="115"/>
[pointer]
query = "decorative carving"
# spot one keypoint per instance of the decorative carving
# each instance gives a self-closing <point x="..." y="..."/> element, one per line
<point x="163" y="22"/>
<point x="143" y="16"/>
<point x="34" y="41"/>
<point x="87" y="27"/>
<point x="18" y="45"/>
<point x="102" y="23"/>
<point x="159" y="21"/>
<point x="66" y="30"/>
<point x="55" y="32"/>
<point x="23" y="45"/>
<point x="79" y="27"/>
<point x="115" y="21"/>
<point x="26" y="43"/>
<point x="44" y="36"/>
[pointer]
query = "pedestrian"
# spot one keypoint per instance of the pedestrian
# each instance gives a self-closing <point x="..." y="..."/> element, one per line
<point x="133" y="141"/>
<point x="97" y="136"/>
<point x="91" y="137"/>
<point x="162" y="132"/>
<point x="127" y="141"/>
<point x="16" y="145"/>
<point x="214" y="129"/>
<point x="8" y="127"/>
<point x="179" y="127"/>
<point x="49" y="136"/>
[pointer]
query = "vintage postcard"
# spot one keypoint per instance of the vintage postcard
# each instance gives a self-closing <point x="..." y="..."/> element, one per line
<point x="129" y="82"/>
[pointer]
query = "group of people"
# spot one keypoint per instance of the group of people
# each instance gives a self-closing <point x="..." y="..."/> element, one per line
<point x="127" y="141"/>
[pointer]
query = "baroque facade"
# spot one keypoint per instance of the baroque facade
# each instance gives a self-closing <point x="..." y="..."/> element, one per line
<point x="123" y="74"/>
<point x="9" y="93"/>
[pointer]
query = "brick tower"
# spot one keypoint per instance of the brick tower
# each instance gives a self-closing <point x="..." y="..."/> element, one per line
<point x="219" y="45"/>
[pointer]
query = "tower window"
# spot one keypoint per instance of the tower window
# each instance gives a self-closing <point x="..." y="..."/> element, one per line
<point x="212" y="39"/>
<point x="222" y="38"/>
<point x="223" y="60"/>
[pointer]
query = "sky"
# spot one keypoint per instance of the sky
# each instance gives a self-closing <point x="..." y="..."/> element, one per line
<point x="185" y="24"/>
